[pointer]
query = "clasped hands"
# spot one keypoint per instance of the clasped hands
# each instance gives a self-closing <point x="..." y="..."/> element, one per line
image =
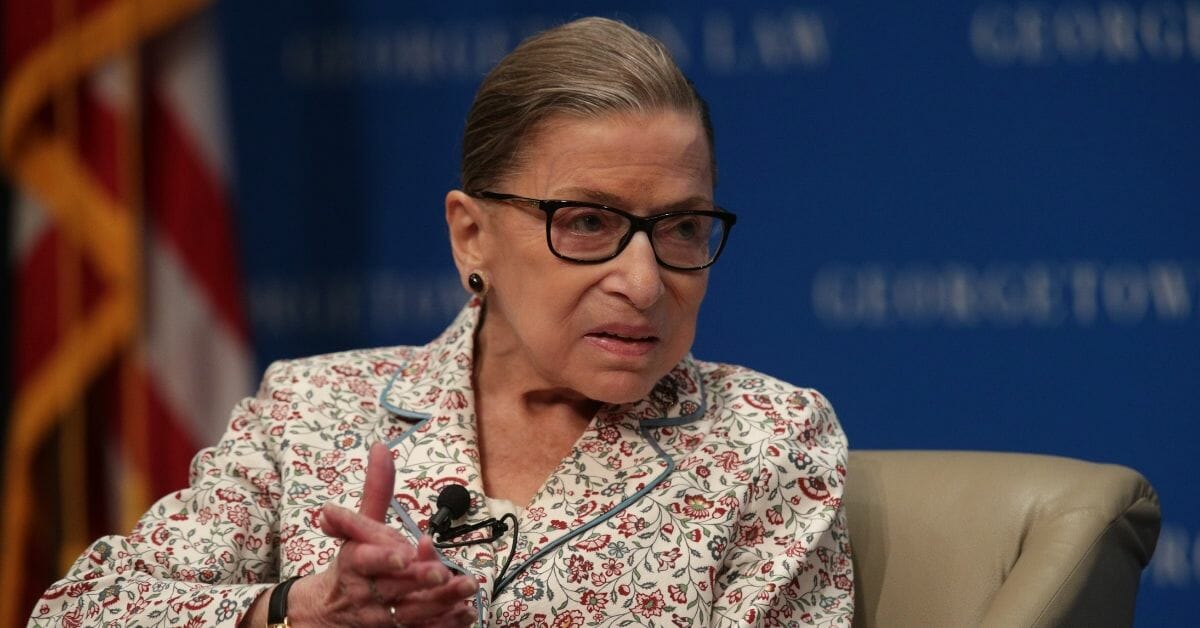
<point x="378" y="578"/>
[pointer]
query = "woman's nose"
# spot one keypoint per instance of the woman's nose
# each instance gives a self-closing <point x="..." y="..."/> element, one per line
<point x="637" y="274"/>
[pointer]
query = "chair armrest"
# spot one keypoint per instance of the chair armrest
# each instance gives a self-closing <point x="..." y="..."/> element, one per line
<point x="996" y="539"/>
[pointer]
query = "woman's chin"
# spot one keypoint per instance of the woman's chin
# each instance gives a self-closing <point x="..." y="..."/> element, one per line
<point x="619" y="388"/>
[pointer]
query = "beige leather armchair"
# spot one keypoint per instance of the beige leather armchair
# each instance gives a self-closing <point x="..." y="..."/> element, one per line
<point x="959" y="538"/>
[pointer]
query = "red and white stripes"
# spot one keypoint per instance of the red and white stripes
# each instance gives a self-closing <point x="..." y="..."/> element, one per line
<point x="132" y="341"/>
<point x="197" y="339"/>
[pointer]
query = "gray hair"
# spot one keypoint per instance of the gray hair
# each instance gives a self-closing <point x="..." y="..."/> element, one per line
<point x="587" y="68"/>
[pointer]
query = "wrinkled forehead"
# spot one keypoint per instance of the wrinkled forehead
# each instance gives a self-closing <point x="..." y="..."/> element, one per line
<point x="566" y="140"/>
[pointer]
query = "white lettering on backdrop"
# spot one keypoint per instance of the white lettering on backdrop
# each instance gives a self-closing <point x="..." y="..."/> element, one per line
<point x="1006" y="294"/>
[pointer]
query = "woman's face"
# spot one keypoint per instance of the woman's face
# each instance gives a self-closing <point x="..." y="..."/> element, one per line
<point x="605" y="331"/>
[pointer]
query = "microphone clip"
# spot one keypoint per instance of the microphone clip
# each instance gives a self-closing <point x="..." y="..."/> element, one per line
<point x="498" y="528"/>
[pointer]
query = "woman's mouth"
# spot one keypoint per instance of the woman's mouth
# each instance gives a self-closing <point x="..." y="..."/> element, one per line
<point x="630" y="343"/>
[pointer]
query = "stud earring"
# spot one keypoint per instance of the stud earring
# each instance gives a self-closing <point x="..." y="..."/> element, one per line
<point x="476" y="283"/>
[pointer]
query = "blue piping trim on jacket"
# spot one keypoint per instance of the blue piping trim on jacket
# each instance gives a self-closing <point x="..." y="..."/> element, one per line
<point x="387" y="405"/>
<point x="598" y="520"/>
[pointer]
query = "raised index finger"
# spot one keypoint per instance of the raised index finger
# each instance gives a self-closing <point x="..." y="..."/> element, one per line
<point x="377" y="488"/>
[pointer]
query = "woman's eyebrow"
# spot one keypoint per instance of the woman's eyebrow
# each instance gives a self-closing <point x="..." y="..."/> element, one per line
<point x="612" y="200"/>
<point x="590" y="195"/>
<point x="692" y="202"/>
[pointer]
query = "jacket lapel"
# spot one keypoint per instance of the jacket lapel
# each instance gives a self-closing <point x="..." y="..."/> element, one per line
<point x="433" y="436"/>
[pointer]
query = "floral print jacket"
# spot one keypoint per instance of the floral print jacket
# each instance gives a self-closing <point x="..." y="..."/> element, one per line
<point x="716" y="500"/>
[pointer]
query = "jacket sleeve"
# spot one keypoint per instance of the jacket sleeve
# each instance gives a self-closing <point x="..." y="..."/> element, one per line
<point x="789" y="559"/>
<point x="198" y="557"/>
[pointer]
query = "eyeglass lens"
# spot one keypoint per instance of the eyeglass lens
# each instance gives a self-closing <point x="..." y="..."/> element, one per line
<point x="589" y="233"/>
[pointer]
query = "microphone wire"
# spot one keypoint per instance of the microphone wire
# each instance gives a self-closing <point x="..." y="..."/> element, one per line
<point x="512" y="551"/>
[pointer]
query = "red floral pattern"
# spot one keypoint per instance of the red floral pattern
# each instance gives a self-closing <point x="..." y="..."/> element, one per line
<point x="747" y="529"/>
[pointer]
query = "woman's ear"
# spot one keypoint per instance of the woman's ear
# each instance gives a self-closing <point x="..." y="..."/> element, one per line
<point x="466" y="221"/>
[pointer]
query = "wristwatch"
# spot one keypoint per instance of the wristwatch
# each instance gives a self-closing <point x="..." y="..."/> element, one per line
<point x="277" y="606"/>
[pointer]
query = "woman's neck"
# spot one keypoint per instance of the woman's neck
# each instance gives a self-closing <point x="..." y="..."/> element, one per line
<point x="504" y="378"/>
<point x="524" y="427"/>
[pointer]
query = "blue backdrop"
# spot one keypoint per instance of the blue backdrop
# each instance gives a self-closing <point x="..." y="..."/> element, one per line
<point x="972" y="225"/>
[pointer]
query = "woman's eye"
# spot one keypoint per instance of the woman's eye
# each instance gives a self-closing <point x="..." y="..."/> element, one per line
<point x="585" y="222"/>
<point x="588" y="223"/>
<point x="684" y="229"/>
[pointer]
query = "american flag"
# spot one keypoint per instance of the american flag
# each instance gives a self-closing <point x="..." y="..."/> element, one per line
<point x="129" y="336"/>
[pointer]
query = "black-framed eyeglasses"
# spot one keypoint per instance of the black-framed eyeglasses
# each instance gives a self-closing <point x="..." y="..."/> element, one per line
<point x="591" y="233"/>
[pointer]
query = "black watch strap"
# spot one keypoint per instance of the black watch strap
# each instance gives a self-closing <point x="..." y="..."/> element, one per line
<point x="277" y="606"/>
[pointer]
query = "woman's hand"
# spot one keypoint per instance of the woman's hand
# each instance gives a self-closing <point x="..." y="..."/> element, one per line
<point x="378" y="578"/>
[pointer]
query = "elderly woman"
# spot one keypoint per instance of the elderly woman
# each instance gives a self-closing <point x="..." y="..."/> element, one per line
<point x="633" y="484"/>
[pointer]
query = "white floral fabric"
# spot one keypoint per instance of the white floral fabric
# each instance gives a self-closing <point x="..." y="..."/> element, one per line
<point x="716" y="500"/>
